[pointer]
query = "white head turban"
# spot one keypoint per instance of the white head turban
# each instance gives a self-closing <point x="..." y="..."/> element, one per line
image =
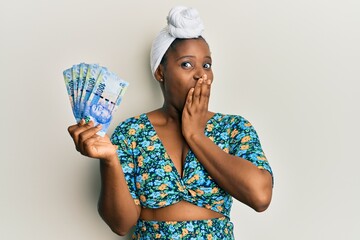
<point x="182" y="22"/>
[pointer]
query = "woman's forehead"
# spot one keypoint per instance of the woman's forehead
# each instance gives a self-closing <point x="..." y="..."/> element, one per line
<point x="190" y="47"/>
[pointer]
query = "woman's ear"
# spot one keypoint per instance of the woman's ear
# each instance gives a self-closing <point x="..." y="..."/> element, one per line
<point x="159" y="74"/>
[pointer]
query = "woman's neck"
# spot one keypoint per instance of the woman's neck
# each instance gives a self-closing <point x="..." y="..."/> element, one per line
<point x="171" y="113"/>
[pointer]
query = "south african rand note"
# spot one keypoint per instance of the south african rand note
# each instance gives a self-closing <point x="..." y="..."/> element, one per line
<point x="91" y="77"/>
<point x="75" y="76"/>
<point x="69" y="83"/>
<point x="102" y="101"/>
<point x="123" y="85"/>
<point x="81" y="83"/>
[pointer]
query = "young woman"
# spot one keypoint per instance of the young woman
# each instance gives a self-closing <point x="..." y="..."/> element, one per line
<point x="173" y="171"/>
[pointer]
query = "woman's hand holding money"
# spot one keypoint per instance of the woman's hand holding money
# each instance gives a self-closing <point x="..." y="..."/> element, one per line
<point x="89" y="144"/>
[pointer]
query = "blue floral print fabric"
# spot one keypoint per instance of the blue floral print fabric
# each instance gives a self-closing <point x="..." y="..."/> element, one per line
<point x="152" y="178"/>
<point x="211" y="229"/>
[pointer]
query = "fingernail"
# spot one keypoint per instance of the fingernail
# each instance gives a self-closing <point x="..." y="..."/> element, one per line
<point x="200" y="80"/>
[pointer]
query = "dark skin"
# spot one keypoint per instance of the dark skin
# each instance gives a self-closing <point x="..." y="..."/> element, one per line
<point x="185" y="80"/>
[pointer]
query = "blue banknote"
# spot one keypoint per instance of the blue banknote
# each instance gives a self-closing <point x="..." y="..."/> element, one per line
<point x="75" y="76"/>
<point x="91" y="78"/>
<point x="69" y="82"/>
<point x="81" y="83"/>
<point x="104" y="99"/>
<point x="94" y="92"/>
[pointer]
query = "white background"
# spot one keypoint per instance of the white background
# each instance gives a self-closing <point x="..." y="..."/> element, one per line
<point x="289" y="67"/>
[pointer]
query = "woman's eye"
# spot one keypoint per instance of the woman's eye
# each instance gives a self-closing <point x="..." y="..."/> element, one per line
<point x="207" y="65"/>
<point x="186" y="65"/>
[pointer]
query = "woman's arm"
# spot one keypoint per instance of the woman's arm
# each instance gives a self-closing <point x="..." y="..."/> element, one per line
<point x="116" y="205"/>
<point x="238" y="176"/>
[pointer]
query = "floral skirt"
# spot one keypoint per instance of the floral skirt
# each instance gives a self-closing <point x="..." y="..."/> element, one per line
<point x="216" y="228"/>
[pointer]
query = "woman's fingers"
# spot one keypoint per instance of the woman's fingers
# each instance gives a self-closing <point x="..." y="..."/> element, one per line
<point x="205" y="90"/>
<point x="86" y="134"/>
<point x="82" y="122"/>
<point x="78" y="131"/>
<point x="74" y="131"/>
<point x="197" y="90"/>
<point x="72" y="128"/>
<point x="82" y="131"/>
<point x="189" y="98"/>
<point x="89" y="146"/>
<point x="99" y="147"/>
<point x="202" y="90"/>
<point x="88" y="143"/>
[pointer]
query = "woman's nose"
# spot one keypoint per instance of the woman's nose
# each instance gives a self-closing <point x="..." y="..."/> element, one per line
<point x="198" y="74"/>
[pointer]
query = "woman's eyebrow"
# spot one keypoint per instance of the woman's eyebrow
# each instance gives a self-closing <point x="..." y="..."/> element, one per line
<point x="191" y="56"/>
<point x="186" y="56"/>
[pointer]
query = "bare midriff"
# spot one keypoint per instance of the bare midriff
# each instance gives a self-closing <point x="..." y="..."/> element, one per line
<point x="181" y="211"/>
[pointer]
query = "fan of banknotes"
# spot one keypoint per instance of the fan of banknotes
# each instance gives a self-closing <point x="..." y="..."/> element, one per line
<point x="94" y="93"/>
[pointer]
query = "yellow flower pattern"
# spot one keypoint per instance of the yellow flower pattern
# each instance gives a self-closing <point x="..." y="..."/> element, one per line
<point x="167" y="168"/>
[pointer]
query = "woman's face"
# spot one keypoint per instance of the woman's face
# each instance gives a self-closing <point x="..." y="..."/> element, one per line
<point x="185" y="63"/>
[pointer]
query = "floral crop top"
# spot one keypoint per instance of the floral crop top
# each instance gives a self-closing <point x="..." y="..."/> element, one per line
<point x="152" y="178"/>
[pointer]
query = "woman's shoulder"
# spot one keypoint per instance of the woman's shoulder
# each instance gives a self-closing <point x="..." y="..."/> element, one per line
<point x="228" y="118"/>
<point x="131" y="121"/>
<point x="232" y="120"/>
